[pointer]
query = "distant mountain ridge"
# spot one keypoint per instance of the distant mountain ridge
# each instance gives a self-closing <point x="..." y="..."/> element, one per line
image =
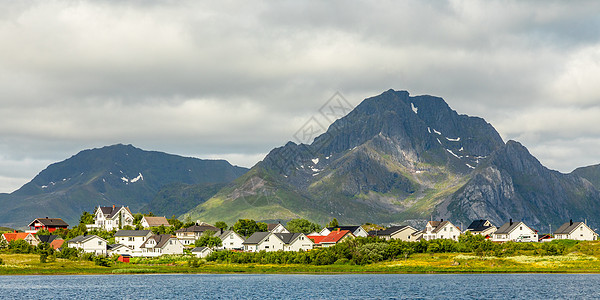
<point x="118" y="174"/>
<point x="397" y="158"/>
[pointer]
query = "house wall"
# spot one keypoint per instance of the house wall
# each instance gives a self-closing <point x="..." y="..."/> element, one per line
<point x="133" y="242"/>
<point x="521" y="230"/>
<point x="121" y="251"/>
<point x="403" y="235"/>
<point x="581" y="233"/>
<point x="301" y="243"/>
<point x="360" y="232"/>
<point x="203" y="254"/>
<point x="173" y="246"/>
<point x="279" y="229"/>
<point x="94" y="245"/>
<point x="271" y="243"/>
<point x="113" y="223"/>
<point x="232" y="241"/>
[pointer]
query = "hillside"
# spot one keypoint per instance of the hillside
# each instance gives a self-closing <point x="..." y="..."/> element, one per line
<point x="118" y="174"/>
<point x="397" y="158"/>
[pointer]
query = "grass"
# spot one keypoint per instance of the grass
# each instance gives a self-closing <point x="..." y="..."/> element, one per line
<point x="28" y="264"/>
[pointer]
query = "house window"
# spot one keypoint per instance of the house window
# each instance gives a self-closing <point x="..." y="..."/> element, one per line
<point x="99" y="243"/>
<point x="130" y="238"/>
<point x="445" y="228"/>
<point x="450" y="228"/>
<point x="231" y="237"/>
<point x="521" y="228"/>
<point x="266" y="247"/>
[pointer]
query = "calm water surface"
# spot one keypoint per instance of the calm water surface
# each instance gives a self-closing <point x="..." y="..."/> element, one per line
<point x="360" y="286"/>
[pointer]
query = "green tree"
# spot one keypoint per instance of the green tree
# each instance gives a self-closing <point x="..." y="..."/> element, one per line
<point x="86" y="218"/>
<point x="222" y="225"/>
<point x="137" y="218"/>
<point x="176" y="223"/>
<point x="208" y="239"/>
<point x="333" y="223"/>
<point x="302" y="225"/>
<point x="247" y="227"/>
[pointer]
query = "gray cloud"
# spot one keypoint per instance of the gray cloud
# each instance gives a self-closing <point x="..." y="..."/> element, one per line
<point x="235" y="79"/>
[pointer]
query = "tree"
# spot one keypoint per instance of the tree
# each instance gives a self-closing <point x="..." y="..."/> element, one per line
<point x="177" y="224"/>
<point x="86" y="218"/>
<point x="222" y="225"/>
<point x="208" y="239"/>
<point x="247" y="227"/>
<point x="137" y="218"/>
<point x="333" y="223"/>
<point x="302" y="225"/>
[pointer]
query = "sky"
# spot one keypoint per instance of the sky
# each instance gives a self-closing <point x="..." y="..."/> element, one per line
<point x="234" y="79"/>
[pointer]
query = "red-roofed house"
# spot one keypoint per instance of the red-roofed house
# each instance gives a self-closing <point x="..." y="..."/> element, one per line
<point x="316" y="238"/>
<point x="51" y="224"/>
<point x="30" y="238"/>
<point x="332" y="238"/>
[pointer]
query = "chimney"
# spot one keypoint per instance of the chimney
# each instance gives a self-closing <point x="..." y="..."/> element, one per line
<point x="571" y="222"/>
<point x="338" y="230"/>
<point x="46" y="217"/>
<point x="442" y="220"/>
<point x="510" y="222"/>
<point x="113" y="206"/>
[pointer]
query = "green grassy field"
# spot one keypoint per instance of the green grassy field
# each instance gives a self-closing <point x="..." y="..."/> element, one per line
<point x="28" y="264"/>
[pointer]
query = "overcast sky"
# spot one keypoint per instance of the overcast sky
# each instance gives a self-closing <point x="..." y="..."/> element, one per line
<point x="234" y="79"/>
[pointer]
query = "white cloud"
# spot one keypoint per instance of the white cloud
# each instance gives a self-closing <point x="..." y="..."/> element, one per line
<point x="235" y="79"/>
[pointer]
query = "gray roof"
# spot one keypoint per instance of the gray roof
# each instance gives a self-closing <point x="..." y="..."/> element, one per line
<point x="48" y="238"/>
<point x="227" y="232"/>
<point x="53" y="222"/>
<point x="440" y="225"/>
<point x="256" y="238"/>
<point x="350" y="228"/>
<point x="84" y="238"/>
<point x="114" y="246"/>
<point x="287" y="237"/>
<point x="391" y="230"/>
<point x="508" y="228"/>
<point x="110" y="212"/>
<point x="132" y="233"/>
<point x="199" y="228"/>
<point x="480" y="225"/>
<point x="160" y="239"/>
<point x="200" y="249"/>
<point x="567" y="227"/>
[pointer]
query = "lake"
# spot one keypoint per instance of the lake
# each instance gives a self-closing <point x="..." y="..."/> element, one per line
<point x="353" y="286"/>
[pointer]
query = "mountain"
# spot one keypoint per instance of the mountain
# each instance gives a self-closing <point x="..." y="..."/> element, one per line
<point x="396" y="158"/>
<point x="591" y="173"/>
<point x="118" y="174"/>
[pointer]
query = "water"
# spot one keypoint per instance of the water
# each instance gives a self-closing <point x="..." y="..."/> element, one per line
<point x="359" y="286"/>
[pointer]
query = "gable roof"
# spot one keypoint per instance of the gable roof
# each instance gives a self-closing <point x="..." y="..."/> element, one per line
<point x="442" y="225"/>
<point x="200" y="249"/>
<point x="57" y="243"/>
<point x="156" y="221"/>
<point x="480" y="225"/>
<point x="391" y="230"/>
<point x="569" y="227"/>
<point x="160" y="239"/>
<point x="349" y="228"/>
<point x="132" y="233"/>
<point x="12" y="236"/>
<point x="116" y="246"/>
<point x="336" y="236"/>
<point x="287" y="238"/>
<point x="227" y="232"/>
<point x="48" y="238"/>
<point x="85" y="238"/>
<point x="111" y="211"/>
<point x="256" y="238"/>
<point x="199" y="228"/>
<point x="507" y="228"/>
<point x="316" y="238"/>
<point x="50" y="222"/>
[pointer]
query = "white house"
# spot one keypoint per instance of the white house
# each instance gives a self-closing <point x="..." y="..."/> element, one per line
<point x="575" y="231"/>
<point x="259" y="241"/>
<point x="202" y="252"/>
<point x="355" y="230"/>
<point x="188" y="236"/>
<point x="133" y="239"/>
<point x="441" y="230"/>
<point x="403" y="233"/>
<point x="148" y="222"/>
<point x="109" y="218"/>
<point x="515" y="231"/>
<point x="158" y="245"/>
<point x="89" y="244"/>
<point x="231" y="240"/>
<point x="295" y="241"/>
<point x="118" y="249"/>
<point x="482" y="227"/>
<point x="277" y="228"/>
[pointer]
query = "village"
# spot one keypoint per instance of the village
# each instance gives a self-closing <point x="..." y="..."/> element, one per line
<point x="144" y="242"/>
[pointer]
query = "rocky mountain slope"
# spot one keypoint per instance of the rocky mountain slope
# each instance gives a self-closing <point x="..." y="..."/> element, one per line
<point x="118" y="174"/>
<point x="397" y="158"/>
